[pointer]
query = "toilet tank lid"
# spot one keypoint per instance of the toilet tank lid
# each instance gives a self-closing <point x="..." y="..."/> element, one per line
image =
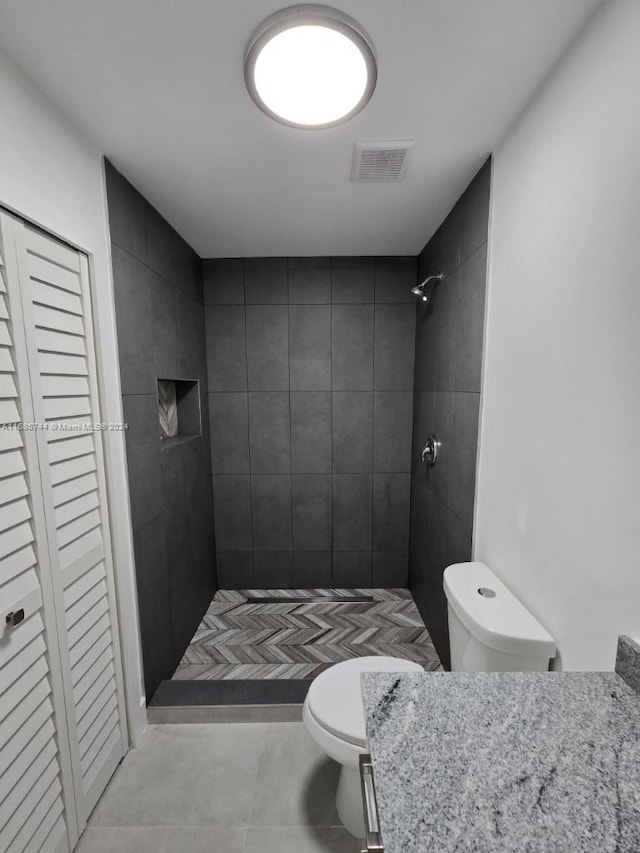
<point x="499" y="621"/>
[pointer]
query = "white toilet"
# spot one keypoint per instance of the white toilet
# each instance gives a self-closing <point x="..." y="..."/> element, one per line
<point x="489" y="631"/>
<point x="334" y="717"/>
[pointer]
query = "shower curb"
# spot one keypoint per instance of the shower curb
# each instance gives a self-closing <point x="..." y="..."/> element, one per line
<point x="224" y="714"/>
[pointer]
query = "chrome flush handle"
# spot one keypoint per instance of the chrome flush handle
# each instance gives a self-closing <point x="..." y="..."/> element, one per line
<point x="431" y="450"/>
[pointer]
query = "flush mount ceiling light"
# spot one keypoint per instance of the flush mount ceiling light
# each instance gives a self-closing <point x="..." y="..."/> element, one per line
<point x="310" y="66"/>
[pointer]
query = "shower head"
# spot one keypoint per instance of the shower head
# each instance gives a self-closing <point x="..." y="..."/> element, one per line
<point x="419" y="290"/>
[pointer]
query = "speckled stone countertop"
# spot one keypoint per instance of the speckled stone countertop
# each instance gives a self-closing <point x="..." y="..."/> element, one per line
<point x="492" y="762"/>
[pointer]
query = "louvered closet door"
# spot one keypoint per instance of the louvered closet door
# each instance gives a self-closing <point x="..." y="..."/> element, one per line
<point x="57" y="314"/>
<point x="36" y="792"/>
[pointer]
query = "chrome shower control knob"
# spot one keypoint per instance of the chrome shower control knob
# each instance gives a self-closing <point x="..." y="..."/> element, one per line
<point x="431" y="450"/>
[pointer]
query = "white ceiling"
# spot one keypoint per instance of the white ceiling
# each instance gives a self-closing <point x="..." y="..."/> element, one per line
<point x="157" y="86"/>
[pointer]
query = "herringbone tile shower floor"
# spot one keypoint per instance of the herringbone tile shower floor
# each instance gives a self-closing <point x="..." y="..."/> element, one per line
<point x="241" y="640"/>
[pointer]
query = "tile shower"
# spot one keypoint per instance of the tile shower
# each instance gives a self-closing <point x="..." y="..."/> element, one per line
<point x="310" y="368"/>
<point x="449" y="340"/>
<point x="160" y="326"/>
<point x="277" y="408"/>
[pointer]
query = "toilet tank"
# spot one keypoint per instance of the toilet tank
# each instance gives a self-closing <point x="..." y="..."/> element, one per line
<point x="490" y="630"/>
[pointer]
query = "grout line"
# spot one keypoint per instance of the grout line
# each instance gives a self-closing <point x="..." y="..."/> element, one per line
<point x="471" y="254"/>
<point x="373" y="432"/>
<point x="255" y="787"/>
<point x="331" y="481"/>
<point x="246" y="359"/>
<point x="292" y="575"/>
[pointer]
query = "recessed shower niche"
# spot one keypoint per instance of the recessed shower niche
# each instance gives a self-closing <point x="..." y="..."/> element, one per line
<point x="178" y="410"/>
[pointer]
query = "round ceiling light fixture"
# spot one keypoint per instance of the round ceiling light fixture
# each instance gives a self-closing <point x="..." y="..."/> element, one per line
<point x="310" y="66"/>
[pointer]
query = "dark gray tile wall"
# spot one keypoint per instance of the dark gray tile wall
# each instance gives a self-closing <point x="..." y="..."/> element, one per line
<point x="161" y="334"/>
<point x="448" y="364"/>
<point x="310" y="364"/>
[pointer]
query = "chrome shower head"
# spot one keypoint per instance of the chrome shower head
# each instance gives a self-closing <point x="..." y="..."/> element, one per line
<point x="419" y="290"/>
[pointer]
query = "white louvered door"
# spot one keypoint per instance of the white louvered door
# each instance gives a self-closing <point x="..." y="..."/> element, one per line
<point x="56" y="306"/>
<point x="36" y="791"/>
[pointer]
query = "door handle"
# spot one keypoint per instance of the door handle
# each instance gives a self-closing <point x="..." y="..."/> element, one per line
<point x="15" y="617"/>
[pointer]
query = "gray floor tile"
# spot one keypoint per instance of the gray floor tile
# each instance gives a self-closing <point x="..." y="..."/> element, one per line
<point x="189" y="775"/>
<point x="296" y="783"/>
<point x="300" y="840"/>
<point x="154" y="839"/>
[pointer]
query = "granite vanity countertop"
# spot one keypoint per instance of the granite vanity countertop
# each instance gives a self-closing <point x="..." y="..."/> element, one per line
<point x="492" y="762"/>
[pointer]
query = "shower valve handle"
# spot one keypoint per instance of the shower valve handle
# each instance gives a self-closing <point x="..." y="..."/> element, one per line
<point x="430" y="451"/>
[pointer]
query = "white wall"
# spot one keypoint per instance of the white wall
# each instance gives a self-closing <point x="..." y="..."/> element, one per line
<point x="558" y="500"/>
<point x="50" y="175"/>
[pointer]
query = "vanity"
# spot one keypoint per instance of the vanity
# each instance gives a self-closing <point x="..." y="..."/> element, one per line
<point x="504" y="761"/>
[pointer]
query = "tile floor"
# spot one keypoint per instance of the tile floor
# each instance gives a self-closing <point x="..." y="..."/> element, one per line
<point x="294" y="640"/>
<point x="232" y="788"/>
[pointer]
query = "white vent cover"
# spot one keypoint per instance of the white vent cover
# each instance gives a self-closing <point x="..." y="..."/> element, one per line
<point x="382" y="161"/>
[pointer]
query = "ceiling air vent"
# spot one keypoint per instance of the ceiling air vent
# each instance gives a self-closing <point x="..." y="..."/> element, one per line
<point x="381" y="162"/>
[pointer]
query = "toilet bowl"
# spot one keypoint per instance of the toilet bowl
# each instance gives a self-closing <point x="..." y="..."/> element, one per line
<point x="333" y="715"/>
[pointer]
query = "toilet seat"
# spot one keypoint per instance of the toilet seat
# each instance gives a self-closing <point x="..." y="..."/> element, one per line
<point x="335" y="700"/>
